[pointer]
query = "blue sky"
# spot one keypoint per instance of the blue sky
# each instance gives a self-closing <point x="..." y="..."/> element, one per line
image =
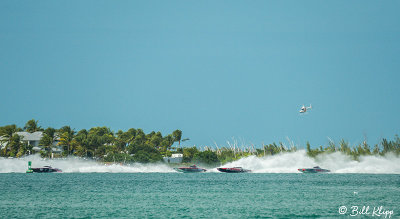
<point x="217" y="70"/>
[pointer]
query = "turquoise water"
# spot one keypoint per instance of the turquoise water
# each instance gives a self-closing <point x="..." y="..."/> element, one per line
<point x="204" y="195"/>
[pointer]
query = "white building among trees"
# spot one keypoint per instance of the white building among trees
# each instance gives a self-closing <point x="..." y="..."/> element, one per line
<point x="175" y="158"/>
<point x="33" y="139"/>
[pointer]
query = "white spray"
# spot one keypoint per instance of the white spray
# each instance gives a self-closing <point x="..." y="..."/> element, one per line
<point x="336" y="162"/>
<point x="79" y="165"/>
<point x="280" y="163"/>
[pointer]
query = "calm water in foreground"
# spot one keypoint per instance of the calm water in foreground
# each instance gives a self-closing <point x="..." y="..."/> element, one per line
<point x="204" y="195"/>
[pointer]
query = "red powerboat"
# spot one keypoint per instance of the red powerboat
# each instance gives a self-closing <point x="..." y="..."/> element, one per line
<point x="316" y="169"/>
<point x="233" y="170"/>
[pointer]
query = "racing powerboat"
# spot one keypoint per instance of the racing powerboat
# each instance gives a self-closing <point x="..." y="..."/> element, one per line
<point x="316" y="169"/>
<point x="191" y="169"/>
<point x="233" y="170"/>
<point x="44" y="169"/>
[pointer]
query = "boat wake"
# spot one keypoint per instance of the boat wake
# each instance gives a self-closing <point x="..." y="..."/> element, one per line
<point x="281" y="163"/>
<point x="79" y="165"/>
<point x="336" y="162"/>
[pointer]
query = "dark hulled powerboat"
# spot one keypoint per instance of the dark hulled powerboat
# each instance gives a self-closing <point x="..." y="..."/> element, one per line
<point x="316" y="169"/>
<point x="233" y="170"/>
<point x="44" y="169"/>
<point x="191" y="169"/>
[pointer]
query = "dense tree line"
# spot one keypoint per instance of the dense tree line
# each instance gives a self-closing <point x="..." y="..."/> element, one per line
<point x="134" y="145"/>
<point x="101" y="143"/>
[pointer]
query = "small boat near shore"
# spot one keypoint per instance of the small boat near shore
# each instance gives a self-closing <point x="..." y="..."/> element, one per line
<point x="191" y="169"/>
<point x="316" y="169"/>
<point x="233" y="170"/>
<point x="44" y="169"/>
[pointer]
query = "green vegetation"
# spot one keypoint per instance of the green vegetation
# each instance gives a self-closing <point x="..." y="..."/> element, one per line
<point x="133" y="145"/>
<point x="362" y="149"/>
<point x="32" y="126"/>
<point x="98" y="143"/>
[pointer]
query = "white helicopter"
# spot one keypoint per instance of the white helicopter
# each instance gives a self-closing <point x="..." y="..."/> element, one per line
<point x="304" y="109"/>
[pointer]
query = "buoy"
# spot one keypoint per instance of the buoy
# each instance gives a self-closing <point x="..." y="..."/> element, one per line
<point x="29" y="167"/>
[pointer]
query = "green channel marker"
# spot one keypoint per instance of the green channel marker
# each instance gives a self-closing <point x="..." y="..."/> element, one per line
<point x="29" y="167"/>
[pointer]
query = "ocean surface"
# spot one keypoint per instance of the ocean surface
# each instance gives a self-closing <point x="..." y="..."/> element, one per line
<point x="198" y="195"/>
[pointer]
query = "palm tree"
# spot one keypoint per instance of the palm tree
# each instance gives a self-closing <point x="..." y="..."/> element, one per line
<point x="49" y="136"/>
<point x="6" y="134"/>
<point x="32" y="126"/>
<point x="66" y="135"/>
<point x="177" y="136"/>
<point x="81" y="140"/>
